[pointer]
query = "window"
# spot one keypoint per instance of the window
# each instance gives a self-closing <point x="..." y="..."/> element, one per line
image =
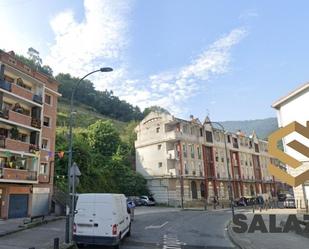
<point x="201" y="132"/>
<point x="217" y="156"/>
<point x="45" y="144"/>
<point x="159" y="146"/>
<point x="199" y="155"/>
<point x="158" y="129"/>
<point x="160" y="164"/>
<point x="46" y="121"/>
<point x="185" y="129"/>
<point x="229" y="138"/>
<point x="186" y="169"/>
<point x="48" y="99"/>
<point x="22" y="137"/>
<point x="209" y="136"/>
<point x="192" y="150"/>
<point x="44" y="169"/>
<point x="184" y="148"/>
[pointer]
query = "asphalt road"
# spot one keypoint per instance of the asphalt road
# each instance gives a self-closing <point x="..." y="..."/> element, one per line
<point x="152" y="228"/>
<point x="182" y="229"/>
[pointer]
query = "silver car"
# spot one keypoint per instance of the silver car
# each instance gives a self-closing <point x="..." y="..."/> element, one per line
<point x="147" y="200"/>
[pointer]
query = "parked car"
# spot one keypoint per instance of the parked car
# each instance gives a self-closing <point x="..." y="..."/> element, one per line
<point x="101" y="219"/>
<point x="147" y="200"/>
<point x="289" y="202"/>
<point x="137" y="201"/>
<point x="242" y="202"/>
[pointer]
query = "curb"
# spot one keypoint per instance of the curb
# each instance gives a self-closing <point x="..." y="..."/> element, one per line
<point x="29" y="226"/>
<point x="233" y="238"/>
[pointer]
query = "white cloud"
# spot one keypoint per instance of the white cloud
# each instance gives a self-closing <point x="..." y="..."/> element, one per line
<point x="172" y="89"/>
<point x="101" y="39"/>
<point x="98" y="40"/>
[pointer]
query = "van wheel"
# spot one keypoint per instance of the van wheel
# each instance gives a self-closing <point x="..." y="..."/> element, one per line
<point x="129" y="232"/>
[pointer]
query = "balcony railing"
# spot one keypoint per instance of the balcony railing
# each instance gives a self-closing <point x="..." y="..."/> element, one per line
<point x="5" y="85"/>
<point x="38" y="99"/>
<point x="12" y="144"/>
<point x="36" y="123"/>
<point x="19" y="118"/>
<point x="18" y="174"/>
<point x="22" y="92"/>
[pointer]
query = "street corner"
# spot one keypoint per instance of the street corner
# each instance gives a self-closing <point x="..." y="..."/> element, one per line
<point x="238" y="240"/>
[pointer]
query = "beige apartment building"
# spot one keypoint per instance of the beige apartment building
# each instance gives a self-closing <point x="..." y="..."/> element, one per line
<point x="28" y="110"/>
<point x="185" y="161"/>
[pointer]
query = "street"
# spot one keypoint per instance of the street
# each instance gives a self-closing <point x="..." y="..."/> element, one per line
<point x="180" y="229"/>
<point x="184" y="229"/>
<point x="151" y="228"/>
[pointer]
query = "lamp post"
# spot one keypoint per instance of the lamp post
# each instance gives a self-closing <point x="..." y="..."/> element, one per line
<point x="231" y="194"/>
<point x="70" y="210"/>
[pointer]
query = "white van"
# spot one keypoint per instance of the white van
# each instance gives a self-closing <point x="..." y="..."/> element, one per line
<point x="101" y="219"/>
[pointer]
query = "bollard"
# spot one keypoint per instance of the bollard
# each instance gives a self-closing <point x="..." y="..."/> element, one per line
<point x="56" y="243"/>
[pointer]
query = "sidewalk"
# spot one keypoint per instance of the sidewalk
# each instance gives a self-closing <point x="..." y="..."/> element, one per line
<point x="258" y="240"/>
<point x="15" y="225"/>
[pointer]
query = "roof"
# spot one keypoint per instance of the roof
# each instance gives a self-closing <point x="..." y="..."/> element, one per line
<point x="292" y="94"/>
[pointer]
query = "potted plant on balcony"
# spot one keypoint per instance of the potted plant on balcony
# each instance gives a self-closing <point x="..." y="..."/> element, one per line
<point x="33" y="148"/>
<point x="14" y="133"/>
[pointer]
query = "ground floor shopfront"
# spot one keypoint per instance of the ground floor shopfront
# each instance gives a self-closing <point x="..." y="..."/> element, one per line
<point x="191" y="191"/>
<point x="23" y="200"/>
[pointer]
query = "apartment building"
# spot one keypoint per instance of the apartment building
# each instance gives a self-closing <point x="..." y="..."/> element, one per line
<point x="28" y="109"/>
<point x="185" y="161"/>
<point x="290" y="108"/>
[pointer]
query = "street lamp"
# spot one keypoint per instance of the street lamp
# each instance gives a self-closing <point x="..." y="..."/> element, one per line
<point x="231" y="195"/>
<point x="70" y="212"/>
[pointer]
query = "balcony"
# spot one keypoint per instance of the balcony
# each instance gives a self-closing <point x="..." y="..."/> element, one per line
<point x="17" y="145"/>
<point x="22" y="92"/>
<point x="38" y="99"/>
<point x="19" y="118"/>
<point x="17" y="174"/>
<point x="5" y="85"/>
<point x="36" y="123"/>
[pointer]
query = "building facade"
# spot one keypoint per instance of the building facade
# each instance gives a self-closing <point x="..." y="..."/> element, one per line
<point x="290" y="108"/>
<point x="28" y="110"/>
<point x="185" y="161"/>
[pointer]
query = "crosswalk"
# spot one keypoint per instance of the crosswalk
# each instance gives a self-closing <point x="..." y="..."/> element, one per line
<point x="171" y="241"/>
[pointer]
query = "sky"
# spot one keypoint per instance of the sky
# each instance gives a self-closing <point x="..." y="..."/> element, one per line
<point x="227" y="59"/>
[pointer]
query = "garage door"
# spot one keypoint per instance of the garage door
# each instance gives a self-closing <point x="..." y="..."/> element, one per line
<point x="40" y="204"/>
<point x="18" y="206"/>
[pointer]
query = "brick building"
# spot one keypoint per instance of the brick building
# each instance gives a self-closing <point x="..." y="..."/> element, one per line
<point x="186" y="159"/>
<point x="28" y="110"/>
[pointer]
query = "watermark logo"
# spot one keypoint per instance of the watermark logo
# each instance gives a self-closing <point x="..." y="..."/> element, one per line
<point x="285" y="158"/>
<point x="269" y="225"/>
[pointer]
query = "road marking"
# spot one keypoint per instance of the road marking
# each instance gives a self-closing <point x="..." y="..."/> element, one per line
<point x="171" y="242"/>
<point x="156" y="227"/>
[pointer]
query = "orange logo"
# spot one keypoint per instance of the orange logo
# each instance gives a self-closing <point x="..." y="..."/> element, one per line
<point x="285" y="158"/>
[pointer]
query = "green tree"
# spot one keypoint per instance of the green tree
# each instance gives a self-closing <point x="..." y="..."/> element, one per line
<point x="154" y="108"/>
<point x="103" y="138"/>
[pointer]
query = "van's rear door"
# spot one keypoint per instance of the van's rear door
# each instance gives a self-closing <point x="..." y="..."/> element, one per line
<point x="103" y="222"/>
<point x="85" y="214"/>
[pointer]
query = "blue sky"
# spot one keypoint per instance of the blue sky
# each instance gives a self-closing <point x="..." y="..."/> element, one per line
<point x="228" y="59"/>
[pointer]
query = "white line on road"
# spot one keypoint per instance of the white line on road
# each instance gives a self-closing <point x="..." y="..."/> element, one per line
<point x="156" y="227"/>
